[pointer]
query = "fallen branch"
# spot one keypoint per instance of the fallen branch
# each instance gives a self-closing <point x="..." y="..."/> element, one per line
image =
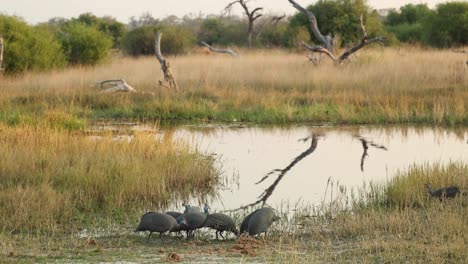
<point x="169" y="80"/>
<point x="227" y="51"/>
<point x="119" y="86"/>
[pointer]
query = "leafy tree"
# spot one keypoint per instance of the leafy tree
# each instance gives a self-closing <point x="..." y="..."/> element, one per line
<point x="211" y="30"/>
<point x="407" y="25"/>
<point x="83" y="44"/>
<point x="448" y="26"/>
<point x="341" y="17"/>
<point x="409" y="14"/>
<point x="106" y="24"/>
<point x="28" y="48"/>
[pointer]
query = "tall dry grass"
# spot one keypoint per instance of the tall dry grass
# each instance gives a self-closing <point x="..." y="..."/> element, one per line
<point x="52" y="180"/>
<point x="379" y="85"/>
<point x="395" y="222"/>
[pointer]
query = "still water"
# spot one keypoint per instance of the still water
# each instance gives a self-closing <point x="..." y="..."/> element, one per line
<point x="302" y="160"/>
<point x="308" y="157"/>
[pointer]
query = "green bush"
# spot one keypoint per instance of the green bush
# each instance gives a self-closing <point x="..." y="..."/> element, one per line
<point x="106" y="24"/>
<point x="28" y="48"/>
<point x="84" y="44"/>
<point x="140" y="41"/>
<point x="448" y="26"/>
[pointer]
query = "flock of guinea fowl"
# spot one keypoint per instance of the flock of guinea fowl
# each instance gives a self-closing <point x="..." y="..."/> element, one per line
<point x="192" y="219"/>
<point x="255" y="223"/>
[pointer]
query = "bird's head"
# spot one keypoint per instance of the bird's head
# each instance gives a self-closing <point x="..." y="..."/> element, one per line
<point x="207" y="208"/>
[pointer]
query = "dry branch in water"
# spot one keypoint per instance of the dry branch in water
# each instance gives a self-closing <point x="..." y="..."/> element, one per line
<point x="169" y="80"/>
<point x="328" y="41"/>
<point x="227" y="51"/>
<point x="365" y="145"/>
<point x="119" y="86"/>
<point x="1" y="54"/>
<point x="251" y="16"/>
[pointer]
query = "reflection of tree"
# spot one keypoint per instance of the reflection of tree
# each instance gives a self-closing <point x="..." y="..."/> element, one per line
<point x="365" y="145"/>
<point x="281" y="173"/>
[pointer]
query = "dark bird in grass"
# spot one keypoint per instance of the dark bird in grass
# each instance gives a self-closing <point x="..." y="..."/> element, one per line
<point x="446" y="192"/>
<point x="190" y="209"/>
<point x="220" y="223"/>
<point x="191" y="222"/>
<point x="245" y="223"/>
<point x="156" y="222"/>
<point x="174" y="214"/>
<point x="260" y="221"/>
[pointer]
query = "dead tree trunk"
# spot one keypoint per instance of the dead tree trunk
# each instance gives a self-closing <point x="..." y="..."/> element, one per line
<point x="169" y="80"/>
<point x="329" y="41"/>
<point x="1" y="55"/>
<point x="227" y="51"/>
<point x="251" y="16"/>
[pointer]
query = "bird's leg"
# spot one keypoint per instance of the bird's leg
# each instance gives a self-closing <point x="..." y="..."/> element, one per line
<point x="216" y="234"/>
<point x="161" y="237"/>
<point x="149" y="235"/>
<point x="221" y="234"/>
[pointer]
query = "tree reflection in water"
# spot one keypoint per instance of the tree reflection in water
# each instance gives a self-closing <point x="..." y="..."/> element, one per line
<point x="282" y="172"/>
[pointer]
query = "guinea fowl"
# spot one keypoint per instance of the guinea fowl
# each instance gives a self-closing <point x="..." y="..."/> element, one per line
<point x="260" y="221"/>
<point x="446" y="192"/>
<point x="156" y="222"/>
<point x="174" y="214"/>
<point x="220" y="223"/>
<point x="245" y="223"/>
<point x="191" y="221"/>
<point x="190" y="209"/>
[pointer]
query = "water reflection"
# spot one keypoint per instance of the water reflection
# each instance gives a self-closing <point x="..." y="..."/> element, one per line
<point x="346" y="155"/>
<point x="272" y="165"/>
<point x="365" y="145"/>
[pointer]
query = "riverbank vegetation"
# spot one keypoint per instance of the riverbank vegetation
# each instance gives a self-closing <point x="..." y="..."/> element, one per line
<point x="379" y="86"/>
<point x="389" y="222"/>
<point x="56" y="181"/>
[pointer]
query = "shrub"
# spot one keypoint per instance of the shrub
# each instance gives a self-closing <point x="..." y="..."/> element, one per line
<point x="28" y="48"/>
<point x="448" y="27"/>
<point x="84" y="44"/>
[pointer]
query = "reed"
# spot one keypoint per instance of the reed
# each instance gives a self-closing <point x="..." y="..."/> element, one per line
<point x="56" y="181"/>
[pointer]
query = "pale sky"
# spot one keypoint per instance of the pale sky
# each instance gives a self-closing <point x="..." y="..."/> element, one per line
<point x="34" y="11"/>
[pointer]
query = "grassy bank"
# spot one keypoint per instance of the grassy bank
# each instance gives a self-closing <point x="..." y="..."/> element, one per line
<point x="407" y="85"/>
<point x="393" y="223"/>
<point x="54" y="181"/>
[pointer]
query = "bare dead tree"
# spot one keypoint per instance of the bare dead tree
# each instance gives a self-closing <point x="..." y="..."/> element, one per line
<point x="119" y="85"/>
<point x="227" y="51"/>
<point x="1" y="54"/>
<point x="328" y="41"/>
<point x="169" y="80"/>
<point x="251" y="16"/>
<point x="281" y="173"/>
